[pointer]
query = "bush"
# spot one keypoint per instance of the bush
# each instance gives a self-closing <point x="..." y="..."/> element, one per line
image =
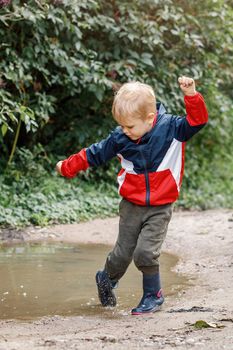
<point x="61" y="61"/>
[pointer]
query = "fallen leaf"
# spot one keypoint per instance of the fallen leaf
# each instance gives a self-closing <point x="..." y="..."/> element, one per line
<point x="203" y="324"/>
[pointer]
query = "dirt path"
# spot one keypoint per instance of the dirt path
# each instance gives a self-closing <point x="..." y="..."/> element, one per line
<point x="204" y="242"/>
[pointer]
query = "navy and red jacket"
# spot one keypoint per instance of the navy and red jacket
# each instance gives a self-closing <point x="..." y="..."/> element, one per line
<point x="152" y="169"/>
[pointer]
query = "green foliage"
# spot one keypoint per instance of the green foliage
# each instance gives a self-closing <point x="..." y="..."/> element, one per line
<point x="60" y="62"/>
<point x="32" y="195"/>
<point x="51" y="203"/>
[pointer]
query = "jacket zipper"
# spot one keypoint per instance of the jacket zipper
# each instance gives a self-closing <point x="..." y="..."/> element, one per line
<point x="147" y="180"/>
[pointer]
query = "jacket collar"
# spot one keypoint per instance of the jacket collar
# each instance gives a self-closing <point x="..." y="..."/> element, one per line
<point x="160" y="111"/>
<point x="160" y="108"/>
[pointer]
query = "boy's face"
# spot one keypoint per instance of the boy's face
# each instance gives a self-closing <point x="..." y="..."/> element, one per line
<point x="135" y="128"/>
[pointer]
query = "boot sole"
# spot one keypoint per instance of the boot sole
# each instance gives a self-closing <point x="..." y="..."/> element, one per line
<point x="138" y="313"/>
<point x="112" y="302"/>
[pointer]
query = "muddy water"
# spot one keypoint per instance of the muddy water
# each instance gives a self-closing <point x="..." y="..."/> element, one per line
<point x="58" y="279"/>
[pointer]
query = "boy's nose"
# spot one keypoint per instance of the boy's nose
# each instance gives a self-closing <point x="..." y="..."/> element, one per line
<point x="127" y="133"/>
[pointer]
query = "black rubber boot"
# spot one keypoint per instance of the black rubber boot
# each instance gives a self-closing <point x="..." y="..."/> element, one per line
<point x="152" y="297"/>
<point x="105" y="289"/>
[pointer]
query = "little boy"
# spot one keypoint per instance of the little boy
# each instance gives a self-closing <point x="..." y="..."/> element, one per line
<point x="150" y="145"/>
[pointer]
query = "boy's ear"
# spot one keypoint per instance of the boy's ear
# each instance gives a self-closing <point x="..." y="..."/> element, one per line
<point x="150" y="117"/>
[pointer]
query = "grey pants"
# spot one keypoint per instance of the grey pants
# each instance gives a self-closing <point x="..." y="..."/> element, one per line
<point x="142" y="231"/>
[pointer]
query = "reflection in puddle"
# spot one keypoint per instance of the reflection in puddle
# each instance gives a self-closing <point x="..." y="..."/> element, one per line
<point x="59" y="279"/>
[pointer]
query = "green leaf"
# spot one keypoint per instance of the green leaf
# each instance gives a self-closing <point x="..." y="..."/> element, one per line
<point x="147" y="61"/>
<point x="4" y="129"/>
<point x="203" y="324"/>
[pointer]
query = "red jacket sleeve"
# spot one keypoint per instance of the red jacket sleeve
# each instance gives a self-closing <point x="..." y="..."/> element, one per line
<point x="74" y="164"/>
<point x="196" y="110"/>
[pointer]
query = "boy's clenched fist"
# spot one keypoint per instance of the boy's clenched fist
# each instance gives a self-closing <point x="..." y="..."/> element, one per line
<point x="187" y="85"/>
<point x="58" y="167"/>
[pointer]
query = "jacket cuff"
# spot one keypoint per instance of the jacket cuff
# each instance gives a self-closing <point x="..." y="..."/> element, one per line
<point x="196" y="110"/>
<point x="74" y="164"/>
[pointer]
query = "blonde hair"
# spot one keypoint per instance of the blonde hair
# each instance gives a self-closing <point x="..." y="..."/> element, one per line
<point x="134" y="99"/>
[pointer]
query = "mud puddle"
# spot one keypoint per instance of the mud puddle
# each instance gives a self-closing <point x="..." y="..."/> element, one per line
<point x="59" y="279"/>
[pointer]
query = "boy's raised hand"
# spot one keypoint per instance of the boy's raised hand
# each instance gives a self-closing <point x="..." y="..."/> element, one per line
<point x="187" y="85"/>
